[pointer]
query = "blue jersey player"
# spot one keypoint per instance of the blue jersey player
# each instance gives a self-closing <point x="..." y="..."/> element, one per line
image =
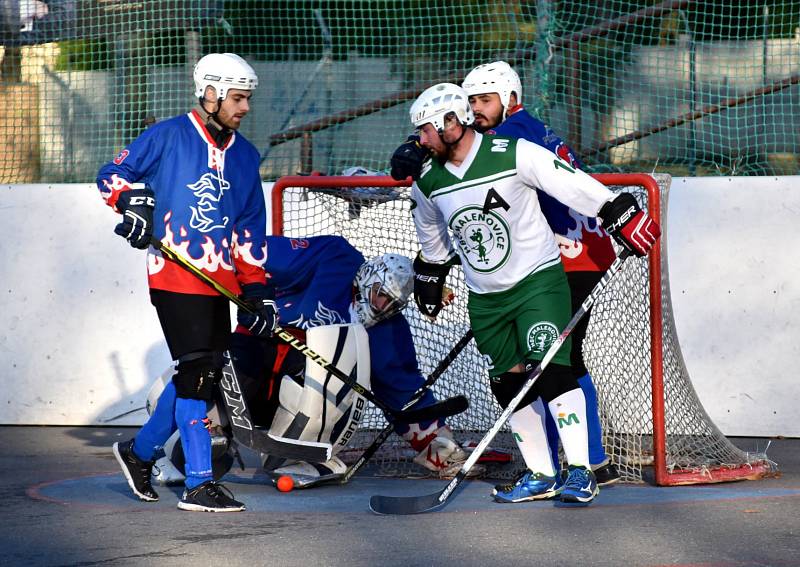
<point x="192" y="181"/>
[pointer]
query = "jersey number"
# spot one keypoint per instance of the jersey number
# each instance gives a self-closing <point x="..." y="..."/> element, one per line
<point x="560" y="163"/>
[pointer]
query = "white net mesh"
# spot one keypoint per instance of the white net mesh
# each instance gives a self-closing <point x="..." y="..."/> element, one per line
<point x="377" y="219"/>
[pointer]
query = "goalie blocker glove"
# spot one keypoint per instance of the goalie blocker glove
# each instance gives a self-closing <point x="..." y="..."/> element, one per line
<point x="136" y="206"/>
<point x="408" y="158"/>
<point x="261" y="298"/>
<point x="429" y="285"/>
<point x="631" y="227"/>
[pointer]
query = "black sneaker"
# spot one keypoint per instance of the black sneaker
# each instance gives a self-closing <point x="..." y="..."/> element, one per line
<point x="136" y="471"/>
<point x="607" y="474"/>
<point x="209" y="497"/>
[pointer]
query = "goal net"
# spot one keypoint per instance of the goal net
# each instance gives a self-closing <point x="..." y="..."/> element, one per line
<point x="650" y="413"/>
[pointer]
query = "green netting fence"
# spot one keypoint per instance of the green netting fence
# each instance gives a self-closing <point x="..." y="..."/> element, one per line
<point x="677" y="86"/>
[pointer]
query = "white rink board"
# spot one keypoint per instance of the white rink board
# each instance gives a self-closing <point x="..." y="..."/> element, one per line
<point x="734" y="272"/>
<point x="80" y="342"/>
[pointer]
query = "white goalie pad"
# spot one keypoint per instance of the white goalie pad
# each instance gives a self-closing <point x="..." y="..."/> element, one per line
<point x="323" y="408"/>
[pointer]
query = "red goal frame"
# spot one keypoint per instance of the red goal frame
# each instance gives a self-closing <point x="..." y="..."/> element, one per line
<point x="662" y="476"/>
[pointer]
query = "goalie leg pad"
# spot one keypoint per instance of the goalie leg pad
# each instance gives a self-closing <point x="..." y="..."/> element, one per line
<point x="318" y="407"/>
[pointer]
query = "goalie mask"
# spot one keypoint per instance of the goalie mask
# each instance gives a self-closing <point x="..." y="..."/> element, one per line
<point x="437" y="102"/>
<point x="383" y="286"/>
<point x="223" y="71"/>
<point x="497" y="77"/>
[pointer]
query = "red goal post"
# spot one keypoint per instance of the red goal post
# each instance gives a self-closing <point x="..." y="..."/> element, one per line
<point x="674" y="435"/>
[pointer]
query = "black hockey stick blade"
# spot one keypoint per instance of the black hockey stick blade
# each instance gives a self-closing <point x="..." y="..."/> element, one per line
<point x="407" y="505"/>
<point x="445" y="408"/>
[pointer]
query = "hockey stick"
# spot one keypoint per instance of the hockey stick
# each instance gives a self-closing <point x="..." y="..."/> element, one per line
<point x="445" y="408"/>
<point x="402" y="505"/>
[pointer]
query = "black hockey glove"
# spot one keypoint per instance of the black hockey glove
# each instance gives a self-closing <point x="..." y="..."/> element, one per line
<point x="631" y="227"/>
<point x="429" y="285"/>
<point x="407" y="159"/>
<point x="136" y="206"/>
<point x="262" y="299"/>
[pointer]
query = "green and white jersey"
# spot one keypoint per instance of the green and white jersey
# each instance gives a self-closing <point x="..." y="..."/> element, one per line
<point x="489" y="205"/>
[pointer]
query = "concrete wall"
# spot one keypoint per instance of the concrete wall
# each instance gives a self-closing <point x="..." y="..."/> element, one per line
<point x="80" y="344"/>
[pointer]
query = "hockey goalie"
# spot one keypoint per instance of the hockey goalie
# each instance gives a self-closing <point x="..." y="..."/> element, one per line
<point x="349" y="311"/>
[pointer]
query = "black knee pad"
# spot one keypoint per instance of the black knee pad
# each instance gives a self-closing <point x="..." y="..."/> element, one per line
<point x="507" y="385"/>
<point x="556" y="379"/>
<point x="196" y="376"/>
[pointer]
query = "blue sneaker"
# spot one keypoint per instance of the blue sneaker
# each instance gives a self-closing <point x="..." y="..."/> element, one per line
<point x="580" y="488"/>
<point x="530" y="486"/>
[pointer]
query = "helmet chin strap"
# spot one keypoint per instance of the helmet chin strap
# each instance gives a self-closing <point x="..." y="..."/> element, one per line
<point x="451" y="144"/>
<point x="215" y="127"/>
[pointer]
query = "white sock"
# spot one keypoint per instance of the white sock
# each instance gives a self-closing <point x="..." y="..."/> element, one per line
<point x="528" y="427"/>
<point x="569" y="413"/>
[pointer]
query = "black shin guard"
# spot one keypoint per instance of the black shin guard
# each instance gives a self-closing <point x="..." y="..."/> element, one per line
<point x="196" y="376"/>
<point x="554" y="381"/>
<point x="506" y="385"/>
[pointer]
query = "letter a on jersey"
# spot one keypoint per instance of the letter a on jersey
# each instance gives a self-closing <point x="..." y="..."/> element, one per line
<point x="494" y="201"/>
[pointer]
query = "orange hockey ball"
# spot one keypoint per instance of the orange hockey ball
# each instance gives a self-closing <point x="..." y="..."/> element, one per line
<point x="285" y="483"/>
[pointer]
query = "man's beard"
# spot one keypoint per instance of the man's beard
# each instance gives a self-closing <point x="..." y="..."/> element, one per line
<point x="479" y="128"/>
<point x="493" y="123"/>
<point x="443" y="158"/>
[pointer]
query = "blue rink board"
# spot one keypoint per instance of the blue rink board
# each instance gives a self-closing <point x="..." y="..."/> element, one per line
<point x="110" y="490"/>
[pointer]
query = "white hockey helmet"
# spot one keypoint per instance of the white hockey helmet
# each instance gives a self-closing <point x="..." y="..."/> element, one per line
<point x="437" y="102"/>
<point x="383" y="286"/>
<point x="223" y="71"/>
<point x="497" y="77"/>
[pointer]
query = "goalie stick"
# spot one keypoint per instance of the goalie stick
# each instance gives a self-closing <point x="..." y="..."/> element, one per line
<point x="445" y="408"/>
<point x="402" y="505"/>
<point x="386" y="432"/>
<point x="440" y="369"/>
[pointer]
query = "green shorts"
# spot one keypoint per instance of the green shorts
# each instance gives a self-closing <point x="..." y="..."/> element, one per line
<point x="522" y="322"/>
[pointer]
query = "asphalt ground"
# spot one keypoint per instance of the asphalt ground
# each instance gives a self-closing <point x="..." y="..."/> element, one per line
<point x="65" y="502"/>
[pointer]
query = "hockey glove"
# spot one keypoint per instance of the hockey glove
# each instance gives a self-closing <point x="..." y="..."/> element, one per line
<point x="136" y="206"/>
<point x="407" y="159"/>
<point x="631" y="227"/>
<point x="261" y="298"/>
<point x="429" y="287"/>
